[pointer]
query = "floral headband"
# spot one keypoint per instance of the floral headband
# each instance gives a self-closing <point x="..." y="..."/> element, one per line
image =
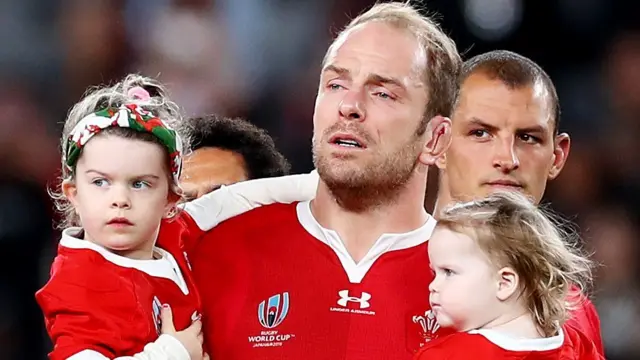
<point x="126" y="116"/>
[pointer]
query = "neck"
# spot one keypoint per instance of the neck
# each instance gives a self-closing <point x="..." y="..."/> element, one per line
<point x="359" y="229"/>
<point x="517" y="324"/>
<point x="143" y="251"/>
<point x="444" y="195"/>
<point x="135" y="254"/>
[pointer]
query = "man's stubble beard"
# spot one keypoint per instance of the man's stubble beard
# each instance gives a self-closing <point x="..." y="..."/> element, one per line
<point x="375" y="183"/>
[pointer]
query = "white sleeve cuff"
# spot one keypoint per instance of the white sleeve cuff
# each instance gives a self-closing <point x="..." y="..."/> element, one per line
<point x="166" y="347"/>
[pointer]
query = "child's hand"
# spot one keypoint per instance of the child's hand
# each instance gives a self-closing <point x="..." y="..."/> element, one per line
<point x="191" y="337"/>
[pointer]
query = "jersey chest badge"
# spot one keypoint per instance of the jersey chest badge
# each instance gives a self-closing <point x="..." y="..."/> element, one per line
<point x="271" y="313"/>
<point x="421" y="329"/>
<point x="428" y="324"/>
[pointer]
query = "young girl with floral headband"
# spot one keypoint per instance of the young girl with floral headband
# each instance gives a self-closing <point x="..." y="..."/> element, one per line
<point x="502" y="273"/>
<point x="115" y="291"/>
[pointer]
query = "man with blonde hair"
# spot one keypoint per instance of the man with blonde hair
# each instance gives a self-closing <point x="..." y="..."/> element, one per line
<point x="344" y="275"/>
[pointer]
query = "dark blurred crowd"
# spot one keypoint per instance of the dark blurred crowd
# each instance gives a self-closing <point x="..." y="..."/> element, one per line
<point x="259" y="59"/>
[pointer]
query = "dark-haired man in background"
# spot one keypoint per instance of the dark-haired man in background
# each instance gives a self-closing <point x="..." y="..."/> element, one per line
<point x="226" y="151"/>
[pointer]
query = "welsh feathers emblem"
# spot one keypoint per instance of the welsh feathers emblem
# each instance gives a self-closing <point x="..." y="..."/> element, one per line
<point x="428" y="323"/>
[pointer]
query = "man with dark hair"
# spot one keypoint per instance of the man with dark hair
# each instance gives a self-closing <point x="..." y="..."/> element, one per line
<point x="505" y="130"/>
<point x="515" y="71"/>
<point x="505" y="137"/>
<point x="226" y="151"/>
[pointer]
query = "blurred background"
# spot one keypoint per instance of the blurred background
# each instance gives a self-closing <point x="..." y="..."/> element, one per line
<point x="259" y="59"/>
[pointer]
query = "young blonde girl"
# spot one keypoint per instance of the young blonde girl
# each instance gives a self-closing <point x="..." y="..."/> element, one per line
<point x="115" y="291"/>
<point x="503" y="271"/>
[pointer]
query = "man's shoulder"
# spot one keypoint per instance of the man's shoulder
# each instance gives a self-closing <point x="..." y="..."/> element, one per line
<point x="265" y="216"/>
<point x="579" y="344"/>
<point x="584" y="318"/>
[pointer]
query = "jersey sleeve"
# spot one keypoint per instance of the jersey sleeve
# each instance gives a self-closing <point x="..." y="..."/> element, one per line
<point x="203" y="214"/>
<point x="585" y="319"/>
<point x="86" y="310"/>
<point x="229" y="201"/>
<point x="165" y="348"/>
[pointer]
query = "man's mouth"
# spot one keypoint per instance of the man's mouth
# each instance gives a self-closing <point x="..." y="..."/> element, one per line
<point x="347" y="141"/>
<point x="505" y="183"/>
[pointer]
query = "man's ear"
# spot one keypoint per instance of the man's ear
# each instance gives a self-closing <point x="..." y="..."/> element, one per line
<point x="561" y="150"/>
<point x="438" y="140"/>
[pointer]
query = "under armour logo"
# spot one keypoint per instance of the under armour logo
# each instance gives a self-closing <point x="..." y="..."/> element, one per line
<point x="345" y="298"/>
<point x="428" y="322"/>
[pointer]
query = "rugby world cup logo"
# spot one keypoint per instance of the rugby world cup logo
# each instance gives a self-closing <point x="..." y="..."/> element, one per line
<point x="272" y="312"/>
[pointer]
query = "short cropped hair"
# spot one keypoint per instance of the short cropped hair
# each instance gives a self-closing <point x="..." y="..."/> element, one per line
<point x="516" y="72"/>
<point x="255" y="145"/>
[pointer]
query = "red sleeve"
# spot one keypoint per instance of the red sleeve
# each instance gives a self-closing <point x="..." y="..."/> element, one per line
<point x="585" y="319"/>
<point x="86" y="309"/>
<point x="196" y="217"/>
<point x="181" y="230"/>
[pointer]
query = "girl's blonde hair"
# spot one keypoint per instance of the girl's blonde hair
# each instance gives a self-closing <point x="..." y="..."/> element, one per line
<point x="515" y="233"/>
<point x="100" y="98"/>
